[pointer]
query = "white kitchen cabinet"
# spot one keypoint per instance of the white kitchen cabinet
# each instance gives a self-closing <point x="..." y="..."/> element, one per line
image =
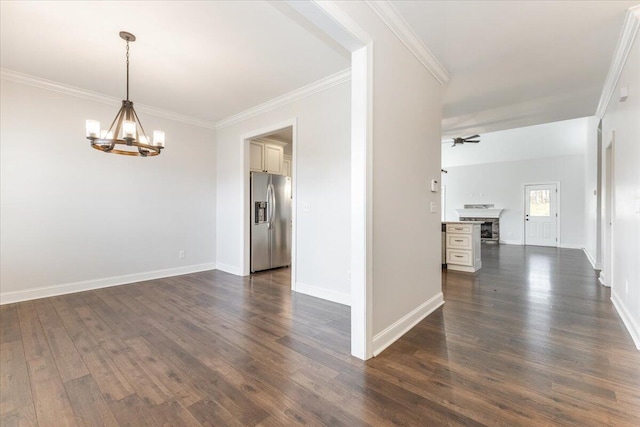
<point x="463" y="246"/>
<point x="286" y="166"/>
<point x="266" y="157"/>
<point x="273" y="158"/>
<point x="256" y="156"/>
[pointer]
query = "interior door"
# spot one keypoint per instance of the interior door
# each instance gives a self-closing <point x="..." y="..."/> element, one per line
<point x="541" y="215"/>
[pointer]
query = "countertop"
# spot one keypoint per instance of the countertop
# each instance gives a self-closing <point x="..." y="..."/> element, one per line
<point x="463" y="222"/>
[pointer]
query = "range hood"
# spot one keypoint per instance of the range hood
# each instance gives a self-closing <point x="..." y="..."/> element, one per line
<point x="479" y="211"/>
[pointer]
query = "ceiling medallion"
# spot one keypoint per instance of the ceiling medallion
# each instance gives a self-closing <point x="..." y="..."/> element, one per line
<point x="126" y="131"/>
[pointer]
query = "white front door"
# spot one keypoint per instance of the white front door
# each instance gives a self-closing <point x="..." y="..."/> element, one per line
<point x="541" y="215"/>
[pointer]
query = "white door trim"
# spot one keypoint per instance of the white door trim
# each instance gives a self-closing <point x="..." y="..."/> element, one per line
<point x="607" y="274"/>
<point x="524" y="210"/>
<point x="331" y="20"/>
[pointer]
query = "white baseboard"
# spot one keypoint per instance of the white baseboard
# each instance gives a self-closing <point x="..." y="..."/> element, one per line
<point x="231" y="269"/>
<point x="510" y="242"/>
<point x="87" y="285"/>
<point x="603" y="280"/>
<point x="569" y="246"/>
<point x="326" y="294"/>
<point x="391" y="334"/>
<point x="591" y="260"/>
<point x="627" y="319"/>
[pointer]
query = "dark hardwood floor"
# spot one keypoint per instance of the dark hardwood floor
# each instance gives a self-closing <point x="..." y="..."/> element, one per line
<point x="531" y="339"/>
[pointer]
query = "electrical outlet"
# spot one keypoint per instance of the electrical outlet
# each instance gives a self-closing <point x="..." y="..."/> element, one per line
<point x="306" y="207"/>
<point x="434" y="207"/>
<point x="181" y="254"/>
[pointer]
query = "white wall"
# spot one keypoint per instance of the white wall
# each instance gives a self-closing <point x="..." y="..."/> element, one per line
<point x="623" y="118"/>
<point x="322" y="180"/>
<point x="495" y="170"/>
<point x="406" y="128"/>
<point x="502" y="184"/>
<point x="74" y="218"/>
<point x="556" y="139"/>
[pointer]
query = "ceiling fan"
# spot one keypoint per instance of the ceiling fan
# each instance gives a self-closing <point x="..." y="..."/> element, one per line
<point x="470" y="139"/>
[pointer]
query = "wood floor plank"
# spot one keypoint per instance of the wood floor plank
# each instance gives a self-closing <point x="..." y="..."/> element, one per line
<point x="50" y="399"/>
<point x="33" y="338"/>
<point x="531" y="339"/>
<point x="105" y="372"/>
<point x="24" y="416"/>
<point x="132" y="411"/>
<point x="88" y="403"/>
<point x="16" y="400"/>
<point x="68" y="360"/>
<point x="135" y="372"/>
<point x="168" y="379"/>
<point x="9" y="324"/>
<point x="52" y="404"/>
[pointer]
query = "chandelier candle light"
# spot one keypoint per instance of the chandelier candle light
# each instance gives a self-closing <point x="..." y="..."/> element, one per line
<point x="126" y="128"/>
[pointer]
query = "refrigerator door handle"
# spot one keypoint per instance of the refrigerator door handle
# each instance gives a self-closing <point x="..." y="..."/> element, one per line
<point x="274" y="207"/>
<point x="269" y="206"/>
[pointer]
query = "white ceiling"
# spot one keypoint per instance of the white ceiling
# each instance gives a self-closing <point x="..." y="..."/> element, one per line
<point x="512" y="63"/>
<point x="208" y="60"/>
<point x="518" y="63"/>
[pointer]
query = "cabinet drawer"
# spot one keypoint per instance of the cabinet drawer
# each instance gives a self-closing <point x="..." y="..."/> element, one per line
<point x="459" y="241"/>
<point x="459" y="257"/>
<point x="460" y="228"/>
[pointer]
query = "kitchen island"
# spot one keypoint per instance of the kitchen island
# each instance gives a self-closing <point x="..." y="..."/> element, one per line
<point x="462" y="245"/>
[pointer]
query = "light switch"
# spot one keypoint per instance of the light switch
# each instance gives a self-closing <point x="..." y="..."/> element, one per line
<point x="434" y="207"/>
<point x="624" y="93"/>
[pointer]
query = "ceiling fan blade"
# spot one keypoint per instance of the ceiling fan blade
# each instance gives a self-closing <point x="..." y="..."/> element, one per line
<point x="471" y="137"/>
<point x="475" y="142"/>
<point x="453" y="145"/>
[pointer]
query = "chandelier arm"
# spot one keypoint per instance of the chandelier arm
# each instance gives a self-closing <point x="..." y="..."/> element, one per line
<point x="118" y="119"/>
<point x="140" y="123"/>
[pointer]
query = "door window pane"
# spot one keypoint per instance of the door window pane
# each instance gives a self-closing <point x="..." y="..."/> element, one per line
<point x="539" y="204"/>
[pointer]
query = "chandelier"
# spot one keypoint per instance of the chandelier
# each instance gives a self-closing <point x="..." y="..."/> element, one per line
<point x="126" y="131"/>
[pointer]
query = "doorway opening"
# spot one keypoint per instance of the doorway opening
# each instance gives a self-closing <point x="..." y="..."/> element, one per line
<point x="606" y="274"/>
<point x="269" y="197"/>
<point x="541" y="214"/>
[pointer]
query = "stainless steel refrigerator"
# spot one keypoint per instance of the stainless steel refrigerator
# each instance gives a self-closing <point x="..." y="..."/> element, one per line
<point x="270" y="221"/>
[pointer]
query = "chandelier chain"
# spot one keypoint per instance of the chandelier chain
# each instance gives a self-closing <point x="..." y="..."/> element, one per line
<point x="127" y="70"/>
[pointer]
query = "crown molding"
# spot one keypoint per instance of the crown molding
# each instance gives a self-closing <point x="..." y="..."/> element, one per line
<point x="77" y="92"/>
<point x="396" y="23"/>
<point x="296" y="95"/>
<point x="625" y="41"/>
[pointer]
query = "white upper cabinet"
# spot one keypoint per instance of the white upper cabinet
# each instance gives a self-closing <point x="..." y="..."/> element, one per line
<point x="256" y="156"/>
<point x="273" y="158"/>
<point x="267" y="156"/>
<point x="286" y="165"/>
